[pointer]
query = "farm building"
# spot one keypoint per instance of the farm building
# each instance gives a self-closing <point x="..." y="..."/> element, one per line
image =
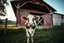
<point x="58" y="19"/>
<point x="47" y="14"/>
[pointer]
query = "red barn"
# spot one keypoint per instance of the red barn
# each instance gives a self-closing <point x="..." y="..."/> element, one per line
<point x="34" y="7"/>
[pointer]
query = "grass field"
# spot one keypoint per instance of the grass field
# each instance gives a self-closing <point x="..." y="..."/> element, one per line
<point x="51" y="35"/>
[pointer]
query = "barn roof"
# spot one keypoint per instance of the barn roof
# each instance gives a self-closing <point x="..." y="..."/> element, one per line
<point x="32" y="6"/>
<point x="59" y="14"/>
<point x="16" y="1"/>
<point x="35" y="7"/>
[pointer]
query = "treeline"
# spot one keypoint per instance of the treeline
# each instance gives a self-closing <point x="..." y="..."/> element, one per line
<point x="2" y="21"/>
<point x="9" y="21"/>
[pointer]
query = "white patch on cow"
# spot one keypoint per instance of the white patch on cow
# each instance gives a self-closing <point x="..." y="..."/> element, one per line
<point x="30" y="18"/>
<point x="30" y="30"/>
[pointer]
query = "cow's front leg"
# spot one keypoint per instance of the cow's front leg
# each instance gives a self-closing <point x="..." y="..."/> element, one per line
<point x="28" y="39"/>
<point x="32" y="40"/>
<point x="28" y="36"/>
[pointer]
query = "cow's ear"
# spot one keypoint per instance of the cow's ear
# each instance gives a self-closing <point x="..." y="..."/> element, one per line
<point x="25" y="18"/>
<point x="37" y="18"/>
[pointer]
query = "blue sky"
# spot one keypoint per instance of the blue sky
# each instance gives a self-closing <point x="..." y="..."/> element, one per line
<point x="56" y="4"/>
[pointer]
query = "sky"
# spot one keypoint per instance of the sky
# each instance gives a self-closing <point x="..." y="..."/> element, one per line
<point x="56" y="4"/>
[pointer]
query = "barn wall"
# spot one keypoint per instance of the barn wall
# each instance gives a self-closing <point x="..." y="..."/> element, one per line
<point x="47" y="20"/>
<point x="56" y="20"/>
<point x="23" y="13"/>
<point x="62" y="20"/>
<point x="19" y="20"/>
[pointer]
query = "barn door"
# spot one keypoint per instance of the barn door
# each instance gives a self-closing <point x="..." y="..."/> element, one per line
<point x="40" y="22"/>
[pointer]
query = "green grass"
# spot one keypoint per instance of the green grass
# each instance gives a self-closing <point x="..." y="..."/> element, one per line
<point x="52" y="35"/>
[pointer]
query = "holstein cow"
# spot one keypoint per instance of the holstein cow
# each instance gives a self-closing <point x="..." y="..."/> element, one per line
<point x="30" y="25"/>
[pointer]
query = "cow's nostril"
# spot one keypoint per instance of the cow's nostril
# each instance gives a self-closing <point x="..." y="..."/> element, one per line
<point x="27" y="27"/>
<point x="33" y="27"/>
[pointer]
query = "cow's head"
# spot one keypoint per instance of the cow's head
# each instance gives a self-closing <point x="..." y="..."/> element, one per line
<point x="30" y="21"/>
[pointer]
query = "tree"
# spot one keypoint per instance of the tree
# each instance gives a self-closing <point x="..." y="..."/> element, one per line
<point x="2" y="7"/>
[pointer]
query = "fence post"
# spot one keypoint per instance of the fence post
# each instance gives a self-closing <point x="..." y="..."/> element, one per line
<point x="5" y="29"/>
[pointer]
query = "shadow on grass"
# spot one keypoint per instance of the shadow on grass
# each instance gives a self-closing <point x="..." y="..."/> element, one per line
<point x="52" y="35"/>
<point x="13" y="36"/>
